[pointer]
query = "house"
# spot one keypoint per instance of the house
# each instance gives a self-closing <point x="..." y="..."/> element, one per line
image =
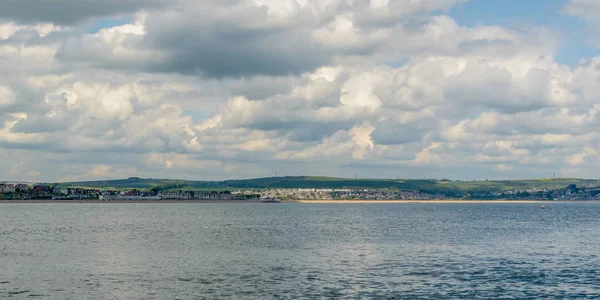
<point x="178" y="195"/>
<point x="7" y="188"/>
<point x="42" y="188"/>
<point x="22" y="187"/>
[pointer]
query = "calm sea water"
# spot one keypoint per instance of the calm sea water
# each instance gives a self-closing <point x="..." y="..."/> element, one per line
<point x="299" y="251"/>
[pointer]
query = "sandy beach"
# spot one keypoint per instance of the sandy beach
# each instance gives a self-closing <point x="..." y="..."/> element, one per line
<point x="425" y="201"/>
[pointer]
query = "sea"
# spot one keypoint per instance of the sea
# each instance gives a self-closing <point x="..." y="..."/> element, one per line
<point x="300" y="251"/>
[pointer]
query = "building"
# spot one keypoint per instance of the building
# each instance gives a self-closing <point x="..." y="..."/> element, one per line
<point x="22" y="187"/>
<point x="7" y="188"/>
<point x="42" y="188"/>
<point x="56" y="189"/>
<point x="176" y="195"/>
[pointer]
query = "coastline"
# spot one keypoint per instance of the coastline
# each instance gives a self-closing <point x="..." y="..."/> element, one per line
<point x="432" y="201"/>
<point x="78" y="201"/>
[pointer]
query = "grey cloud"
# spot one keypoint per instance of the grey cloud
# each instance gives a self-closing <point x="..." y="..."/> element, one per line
<point x="221" y="154"/>
<point x="110" y="158"/>
<point x="210" y="40"/>
<point x="42" y="124"/>
<point x="543" y="121"/>
<point x="392" y="133"/>
<point x="235" y="39"/>
<point x="4" y="117"/>
<point x="69" y="12"/>
<point x="295" y="125"/>
<point x="261" y="87"/>
<point x="312" y="132"/>
<point x="498" y="47"/>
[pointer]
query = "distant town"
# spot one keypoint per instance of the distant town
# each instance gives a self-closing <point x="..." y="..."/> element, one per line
<point x="25" y="191"/>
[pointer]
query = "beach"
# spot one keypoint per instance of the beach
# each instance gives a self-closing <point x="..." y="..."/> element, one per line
<point x="424" y="201"/>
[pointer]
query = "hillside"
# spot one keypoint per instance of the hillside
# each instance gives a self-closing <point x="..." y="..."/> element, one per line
<point x="424" y="185"/>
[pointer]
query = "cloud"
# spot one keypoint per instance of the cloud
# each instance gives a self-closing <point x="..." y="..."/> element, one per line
<point x="248" y="38"/>
<point x="586" y="9"/>
<point x="224" y="89"/>
<point x="211" y="39"/>
<point x="7" y="96"/>
<point x="69" y="12"/>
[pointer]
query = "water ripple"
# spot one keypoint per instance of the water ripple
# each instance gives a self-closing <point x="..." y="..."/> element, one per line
<point x="217" y="251"/>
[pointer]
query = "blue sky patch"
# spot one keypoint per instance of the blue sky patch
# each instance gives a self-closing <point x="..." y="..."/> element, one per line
<point x="108" y="23"/>
<point x="518" y="14"/>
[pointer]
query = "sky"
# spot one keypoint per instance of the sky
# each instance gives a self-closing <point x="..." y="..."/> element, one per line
<point x="231" y="89"/>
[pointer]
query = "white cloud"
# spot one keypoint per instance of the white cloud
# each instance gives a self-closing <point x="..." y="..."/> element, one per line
<point x="586" y="9"/>
<point x="220" y="90"/>
<point x="7" y="96"/>
<point x="580" y="158"/>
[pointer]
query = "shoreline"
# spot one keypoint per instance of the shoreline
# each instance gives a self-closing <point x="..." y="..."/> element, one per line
<point x="78" y="201"/>
<point x="436" y="201"/>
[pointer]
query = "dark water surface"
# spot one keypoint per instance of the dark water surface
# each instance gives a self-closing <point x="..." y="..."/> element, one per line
<point x="299" y="251"/>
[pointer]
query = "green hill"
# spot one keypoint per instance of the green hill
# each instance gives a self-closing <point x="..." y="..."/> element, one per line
<point x="425" y="185"/>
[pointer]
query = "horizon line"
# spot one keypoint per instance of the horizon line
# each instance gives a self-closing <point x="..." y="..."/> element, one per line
<point x="299" y="176"/>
